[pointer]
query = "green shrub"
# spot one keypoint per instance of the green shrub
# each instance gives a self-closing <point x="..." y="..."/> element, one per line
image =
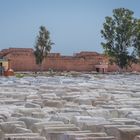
<point x="19" y="75"/>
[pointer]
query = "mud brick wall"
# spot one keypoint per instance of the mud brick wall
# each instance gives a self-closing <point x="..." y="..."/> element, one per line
<point x="22" y="59"/>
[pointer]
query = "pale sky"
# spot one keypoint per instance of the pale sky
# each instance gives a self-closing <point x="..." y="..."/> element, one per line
<point x="74" y="24"/>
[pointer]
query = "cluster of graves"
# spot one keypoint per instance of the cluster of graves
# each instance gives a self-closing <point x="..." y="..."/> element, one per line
<point x="88" y="107"/>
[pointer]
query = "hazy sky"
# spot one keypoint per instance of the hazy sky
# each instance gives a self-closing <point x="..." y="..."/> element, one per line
<point x="74" y="24"/>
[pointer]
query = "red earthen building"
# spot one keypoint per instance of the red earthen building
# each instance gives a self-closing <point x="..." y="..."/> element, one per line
<point x="22" y="59"/>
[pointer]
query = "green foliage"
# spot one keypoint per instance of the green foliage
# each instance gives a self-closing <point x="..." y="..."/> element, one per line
<point x="137" y="38"/>
<point x="119" y="34"/>
<point x="43" y="45"/>
<point x="19" y="75"/>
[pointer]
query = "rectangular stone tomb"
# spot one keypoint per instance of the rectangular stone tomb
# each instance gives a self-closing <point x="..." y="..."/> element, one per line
<point x="96" y="138"/>
<point x="128" y="133"/>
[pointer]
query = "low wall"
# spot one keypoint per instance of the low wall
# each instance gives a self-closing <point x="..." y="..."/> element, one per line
<point x="23" y="59"/>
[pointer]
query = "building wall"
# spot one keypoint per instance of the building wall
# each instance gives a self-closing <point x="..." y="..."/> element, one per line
<point x="22" y="59"/>
<point x="4" y="64"/>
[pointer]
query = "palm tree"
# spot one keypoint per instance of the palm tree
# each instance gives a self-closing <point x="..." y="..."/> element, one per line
<point x="43" y="45"/>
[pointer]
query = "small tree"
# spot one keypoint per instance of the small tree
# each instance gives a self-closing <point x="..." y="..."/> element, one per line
<point x="43" y="45"/>
<point x="118" y="32"/>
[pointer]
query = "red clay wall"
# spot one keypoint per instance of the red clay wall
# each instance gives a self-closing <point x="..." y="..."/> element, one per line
<point x="133" y="68"/>
<point x="22" y="59"/>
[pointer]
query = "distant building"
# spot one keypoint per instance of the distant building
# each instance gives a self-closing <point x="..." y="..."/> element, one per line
<point x="23" y="59"/>
<point x="4" y="63"/>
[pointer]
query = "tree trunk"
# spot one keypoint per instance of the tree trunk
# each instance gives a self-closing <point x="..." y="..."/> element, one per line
<point x="40" y="65"/>
<point x="120" y="70"/>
